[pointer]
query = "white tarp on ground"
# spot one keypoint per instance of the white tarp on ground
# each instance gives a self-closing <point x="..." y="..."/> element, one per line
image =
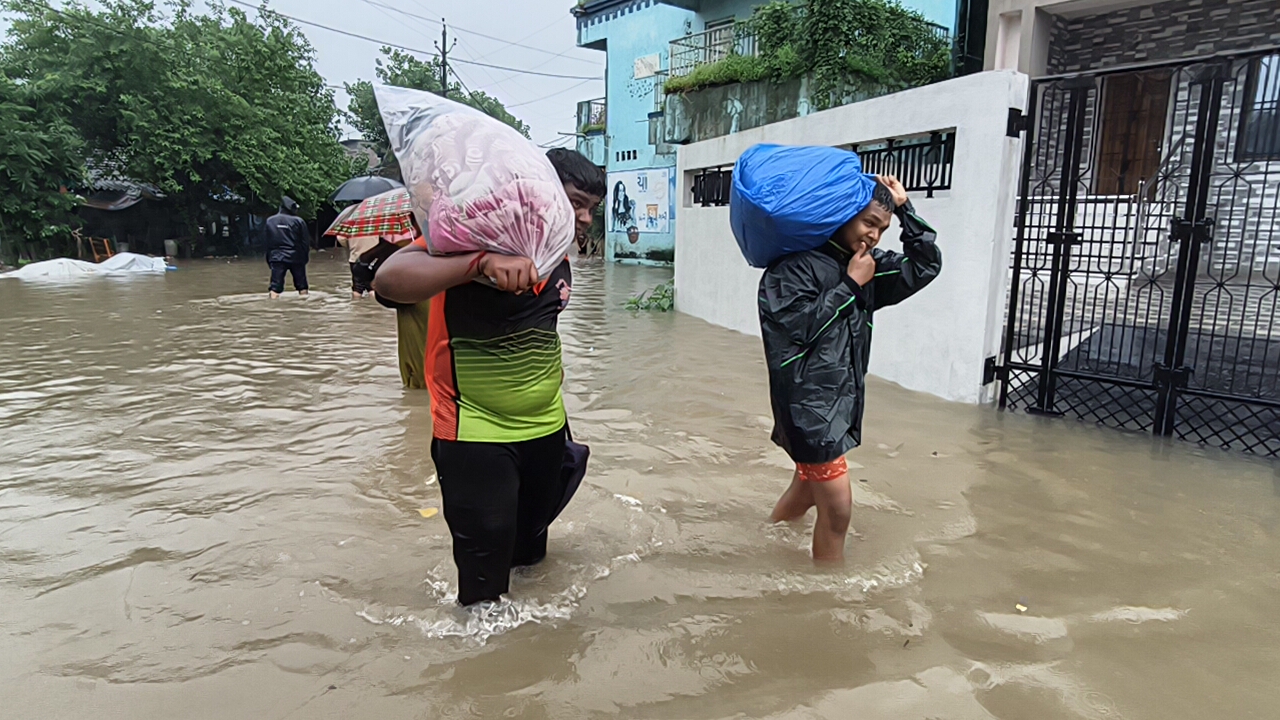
<point x="68" y="269"/>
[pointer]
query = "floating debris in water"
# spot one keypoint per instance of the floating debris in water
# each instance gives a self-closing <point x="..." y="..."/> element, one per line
<point x="628" y="500"/>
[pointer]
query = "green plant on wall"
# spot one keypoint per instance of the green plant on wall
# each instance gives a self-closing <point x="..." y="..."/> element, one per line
<point x="777" y="27"/>
<point x="848" y="48"/>
<point x="732" y="69"/>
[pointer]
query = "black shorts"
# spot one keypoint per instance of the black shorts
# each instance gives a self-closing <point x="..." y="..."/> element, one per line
<point x="499" y="499"/>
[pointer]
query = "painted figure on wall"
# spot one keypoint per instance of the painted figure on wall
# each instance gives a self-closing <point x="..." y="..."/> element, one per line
<point x="624" y="208"/>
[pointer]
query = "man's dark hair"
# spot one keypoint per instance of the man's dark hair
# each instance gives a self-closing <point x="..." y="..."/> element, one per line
<point x="575" y="169"/>
<point x="289" y="205"/>
<point x="883" y="197"/>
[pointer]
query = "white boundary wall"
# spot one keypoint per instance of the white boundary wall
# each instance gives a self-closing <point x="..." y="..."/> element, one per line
<point x="937" y="341"/>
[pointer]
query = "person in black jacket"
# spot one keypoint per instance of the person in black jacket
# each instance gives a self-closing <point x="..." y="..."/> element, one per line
<point x="288" y="248"/>
<point x="816" y="311"/>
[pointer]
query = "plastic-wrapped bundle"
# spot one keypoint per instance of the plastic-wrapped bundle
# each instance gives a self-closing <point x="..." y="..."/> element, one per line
<point x="475" y="182"/>
<point x="787" y="199"/>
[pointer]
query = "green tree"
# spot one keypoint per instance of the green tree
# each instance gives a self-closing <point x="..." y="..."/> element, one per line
<point x="202" y="106"/>
<point x="39" y="159"/>
<point x="404" y="70"/>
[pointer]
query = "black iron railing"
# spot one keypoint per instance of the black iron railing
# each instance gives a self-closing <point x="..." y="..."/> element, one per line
<point x="1149" y="304"/>
<point x="923" y="164"/>
<point x="693" y="51"/>
<point x="592" y="115"/>
<point x="711" y="186"/>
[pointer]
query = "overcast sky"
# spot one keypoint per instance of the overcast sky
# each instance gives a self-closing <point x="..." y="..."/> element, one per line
<point x="544" y="27"/>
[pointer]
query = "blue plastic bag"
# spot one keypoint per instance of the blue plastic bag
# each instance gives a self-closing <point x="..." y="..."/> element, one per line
<point x="789" y="199"/>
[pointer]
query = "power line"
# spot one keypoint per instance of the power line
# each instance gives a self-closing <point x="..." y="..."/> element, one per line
<point x="526" y="37"/>
<point x="471" y="52"/>
<point x="463" y="42"/>
<point x="459" y="28"/>
<point x="544" y="63"/>
<point x="406" y="48"/>
<point x="547" y="97"/>
<point x="559" y="142"/>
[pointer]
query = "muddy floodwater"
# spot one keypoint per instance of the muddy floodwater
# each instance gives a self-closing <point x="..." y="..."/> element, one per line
<point x="209" y="508"/>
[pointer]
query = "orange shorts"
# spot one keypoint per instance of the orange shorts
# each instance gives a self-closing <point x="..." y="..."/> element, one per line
<point x="822" y="472"/>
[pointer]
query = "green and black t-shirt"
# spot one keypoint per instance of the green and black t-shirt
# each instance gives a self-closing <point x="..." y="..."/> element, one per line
<point x="493" y="361"/>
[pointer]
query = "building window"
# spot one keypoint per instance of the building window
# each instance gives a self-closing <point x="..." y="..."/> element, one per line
<point x="1260" y="120"/>
<point x="923" y="163"/>
<point x="711" y="186"/>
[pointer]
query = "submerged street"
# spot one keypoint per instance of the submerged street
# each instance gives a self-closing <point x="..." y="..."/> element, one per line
<point x="210" y="508"/>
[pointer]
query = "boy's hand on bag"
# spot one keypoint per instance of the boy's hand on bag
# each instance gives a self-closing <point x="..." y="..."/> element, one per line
<point x="508" y="272"/>
<point x="862" y="266"/>
<point x="895" y="187"/>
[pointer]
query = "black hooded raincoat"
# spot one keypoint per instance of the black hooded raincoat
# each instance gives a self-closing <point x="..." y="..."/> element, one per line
<point x="288" y="240"/>
<point x="817" y="323"/>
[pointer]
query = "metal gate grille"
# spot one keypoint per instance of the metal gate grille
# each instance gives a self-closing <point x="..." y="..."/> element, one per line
<point x="1145" y="286"/>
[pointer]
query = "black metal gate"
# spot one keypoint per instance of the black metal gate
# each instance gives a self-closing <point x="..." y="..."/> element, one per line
<point x="1145" y="287"/>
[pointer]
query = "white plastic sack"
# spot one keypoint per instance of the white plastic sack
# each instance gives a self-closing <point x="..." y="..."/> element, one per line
<point x="476" y="183"/>
<point x="132" y="263"/>
<point x="56" y="269"/>
<point x="68" y="269"/>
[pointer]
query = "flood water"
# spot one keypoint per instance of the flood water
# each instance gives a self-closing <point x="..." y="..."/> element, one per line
<point x="209" y="508"/>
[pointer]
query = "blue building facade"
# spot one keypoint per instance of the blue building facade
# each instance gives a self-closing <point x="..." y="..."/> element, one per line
<point x="636" y="36"/>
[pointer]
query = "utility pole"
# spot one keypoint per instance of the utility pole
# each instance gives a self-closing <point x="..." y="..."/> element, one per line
<point x="444" y="47"/>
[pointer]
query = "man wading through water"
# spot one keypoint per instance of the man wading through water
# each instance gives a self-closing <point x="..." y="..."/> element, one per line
<point x="288" y="248"/>
<point x="493" y="367"/>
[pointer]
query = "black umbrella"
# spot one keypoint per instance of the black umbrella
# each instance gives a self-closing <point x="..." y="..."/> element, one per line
<point x="363" y="188"/>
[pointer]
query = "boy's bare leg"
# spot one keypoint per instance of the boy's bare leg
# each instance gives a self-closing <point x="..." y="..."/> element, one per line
<point x="794" y="503"/>
<point x="834" y="499"/>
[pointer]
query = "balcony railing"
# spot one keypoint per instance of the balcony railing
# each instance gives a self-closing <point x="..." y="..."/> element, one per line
<point x="592" y="116"/>
<point x="704" y="48"/>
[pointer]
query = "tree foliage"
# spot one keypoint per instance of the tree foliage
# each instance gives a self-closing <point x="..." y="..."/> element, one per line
<point x="39" y="159"/>
<point x="202" y="106"/>
<point x="401" y="69"/>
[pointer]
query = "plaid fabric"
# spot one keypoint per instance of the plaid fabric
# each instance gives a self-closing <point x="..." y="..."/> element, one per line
<point x="387" y="214"/>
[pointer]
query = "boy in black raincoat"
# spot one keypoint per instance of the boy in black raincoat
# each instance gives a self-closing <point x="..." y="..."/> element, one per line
<point x="816" y="311"/>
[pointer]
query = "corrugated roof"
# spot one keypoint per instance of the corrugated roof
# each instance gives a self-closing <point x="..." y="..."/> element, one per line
<point x="104" y="175"/>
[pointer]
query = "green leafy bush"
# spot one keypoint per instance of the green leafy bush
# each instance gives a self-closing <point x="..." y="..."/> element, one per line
<point x="849" y="48"/>
<point x="662" y="298"/>
<point x="732" y="69"/>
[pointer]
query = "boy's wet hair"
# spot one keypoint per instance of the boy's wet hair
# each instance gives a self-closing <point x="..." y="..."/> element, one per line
<point x="883" y="197"/>
<point x="575" y="169"/>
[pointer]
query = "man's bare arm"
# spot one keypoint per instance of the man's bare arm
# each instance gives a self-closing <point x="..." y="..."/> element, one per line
<point x="413" y="274"/>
